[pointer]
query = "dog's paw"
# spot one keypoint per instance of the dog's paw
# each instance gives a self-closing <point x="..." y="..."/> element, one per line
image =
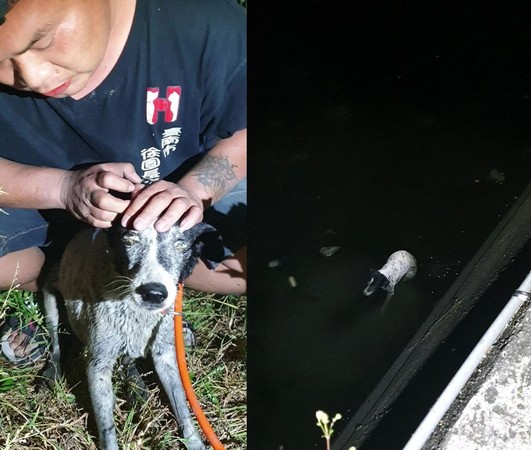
<point x="188" y="334"/>
<point x="194" y="443"/>
<point x="49" y="377"/>
<point x="136" y="393"/>
<point x="136" y="390"/>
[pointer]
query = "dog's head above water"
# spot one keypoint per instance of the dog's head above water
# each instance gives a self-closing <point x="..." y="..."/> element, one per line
<point x="377" y="280"/>
<point x="148" y="265"/>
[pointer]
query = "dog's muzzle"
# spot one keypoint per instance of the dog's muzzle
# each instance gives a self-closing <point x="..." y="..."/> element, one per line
<point x="368" y="291"/>
<point x="154" y="293"/>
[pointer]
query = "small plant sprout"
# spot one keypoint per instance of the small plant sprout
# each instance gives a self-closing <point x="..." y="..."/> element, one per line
<point x="323" y="422"/>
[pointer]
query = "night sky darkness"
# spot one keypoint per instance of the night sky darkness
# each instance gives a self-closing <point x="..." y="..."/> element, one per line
<point x="378" y="127"/>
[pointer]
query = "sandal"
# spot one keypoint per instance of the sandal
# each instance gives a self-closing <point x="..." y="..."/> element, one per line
<point x="22" y="345"/>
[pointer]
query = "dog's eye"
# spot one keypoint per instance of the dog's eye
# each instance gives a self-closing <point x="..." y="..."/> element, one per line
<point x="131" y="238"/>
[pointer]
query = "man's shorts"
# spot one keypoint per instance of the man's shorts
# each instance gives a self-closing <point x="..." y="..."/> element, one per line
<point x="25" y="228"/>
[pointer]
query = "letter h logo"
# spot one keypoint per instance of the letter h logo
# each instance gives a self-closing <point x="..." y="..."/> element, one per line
<point x="168" y="105"/>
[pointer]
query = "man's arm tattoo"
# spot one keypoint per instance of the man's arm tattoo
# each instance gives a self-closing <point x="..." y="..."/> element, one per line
<point x="214" y="172"/>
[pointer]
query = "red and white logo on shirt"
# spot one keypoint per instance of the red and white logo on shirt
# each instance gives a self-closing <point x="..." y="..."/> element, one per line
<point x="169" y="105"/>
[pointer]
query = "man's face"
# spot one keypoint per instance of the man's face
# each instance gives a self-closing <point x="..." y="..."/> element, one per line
<point x="53" y="47"/>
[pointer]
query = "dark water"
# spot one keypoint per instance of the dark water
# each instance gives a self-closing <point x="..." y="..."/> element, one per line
<point x="390" y="130"/>
<point x="414" y="403"/>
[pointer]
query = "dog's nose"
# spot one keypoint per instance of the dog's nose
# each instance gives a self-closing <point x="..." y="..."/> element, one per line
<point x="153" y="292"/>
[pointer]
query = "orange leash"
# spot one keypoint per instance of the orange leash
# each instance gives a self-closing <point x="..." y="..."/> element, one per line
<point x="183" y="370"/>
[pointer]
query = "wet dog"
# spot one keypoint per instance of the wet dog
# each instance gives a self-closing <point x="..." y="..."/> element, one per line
<point x="401" y="265"/>
<point x="118" y="287"/>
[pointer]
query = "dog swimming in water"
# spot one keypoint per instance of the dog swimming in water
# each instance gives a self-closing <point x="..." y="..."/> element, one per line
<point x="401" y="265"/>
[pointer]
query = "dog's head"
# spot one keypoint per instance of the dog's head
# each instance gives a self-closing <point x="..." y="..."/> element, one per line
<point x="149" y="264"/>
<point x="377" y="280"/>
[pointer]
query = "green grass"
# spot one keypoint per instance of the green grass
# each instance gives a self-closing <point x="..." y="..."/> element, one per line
<point x="22" y="304"/>
<point x="60" y="419"/>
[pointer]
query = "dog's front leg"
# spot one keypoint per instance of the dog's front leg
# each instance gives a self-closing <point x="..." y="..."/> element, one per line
<point x="53" y="368"/>
<point x="166" y="368"/>
<point x="99" y="374"/>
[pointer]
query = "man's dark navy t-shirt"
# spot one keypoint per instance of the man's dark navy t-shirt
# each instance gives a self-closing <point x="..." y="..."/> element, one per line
<point x="178" y="87"/>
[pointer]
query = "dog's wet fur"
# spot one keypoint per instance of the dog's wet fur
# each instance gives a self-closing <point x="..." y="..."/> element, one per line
<point x="400" y="266"/>
<point x="118" y="286"/>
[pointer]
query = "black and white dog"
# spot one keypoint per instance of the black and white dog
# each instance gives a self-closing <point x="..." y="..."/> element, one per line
<point x="401" y="265"/>
<point x="117" y="286"/>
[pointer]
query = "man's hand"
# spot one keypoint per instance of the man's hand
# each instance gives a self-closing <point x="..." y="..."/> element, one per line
<point x="85" y="192"/>
<point x="165" y="202"/>
<point x="209" y="180"/>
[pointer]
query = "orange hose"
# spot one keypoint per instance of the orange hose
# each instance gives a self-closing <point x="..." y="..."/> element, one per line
<point x="185" y="377"/>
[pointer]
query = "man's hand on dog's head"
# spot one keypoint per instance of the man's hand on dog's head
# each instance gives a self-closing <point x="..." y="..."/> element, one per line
<point x="163" y="203"/>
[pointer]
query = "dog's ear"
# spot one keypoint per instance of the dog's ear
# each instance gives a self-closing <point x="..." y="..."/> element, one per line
<point x="115" y="233"/>
<point x="192" y="234"/>
<point x="206" y="243"/>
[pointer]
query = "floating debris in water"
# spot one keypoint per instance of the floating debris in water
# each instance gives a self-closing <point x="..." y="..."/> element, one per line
<point x="292" y="281"/>
<point x="496" y="176"/>
<point x="274" y="263"/>
<point x="329" y="251"/>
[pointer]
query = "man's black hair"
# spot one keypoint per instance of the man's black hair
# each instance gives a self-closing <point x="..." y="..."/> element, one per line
<point x="3" y="10"/>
